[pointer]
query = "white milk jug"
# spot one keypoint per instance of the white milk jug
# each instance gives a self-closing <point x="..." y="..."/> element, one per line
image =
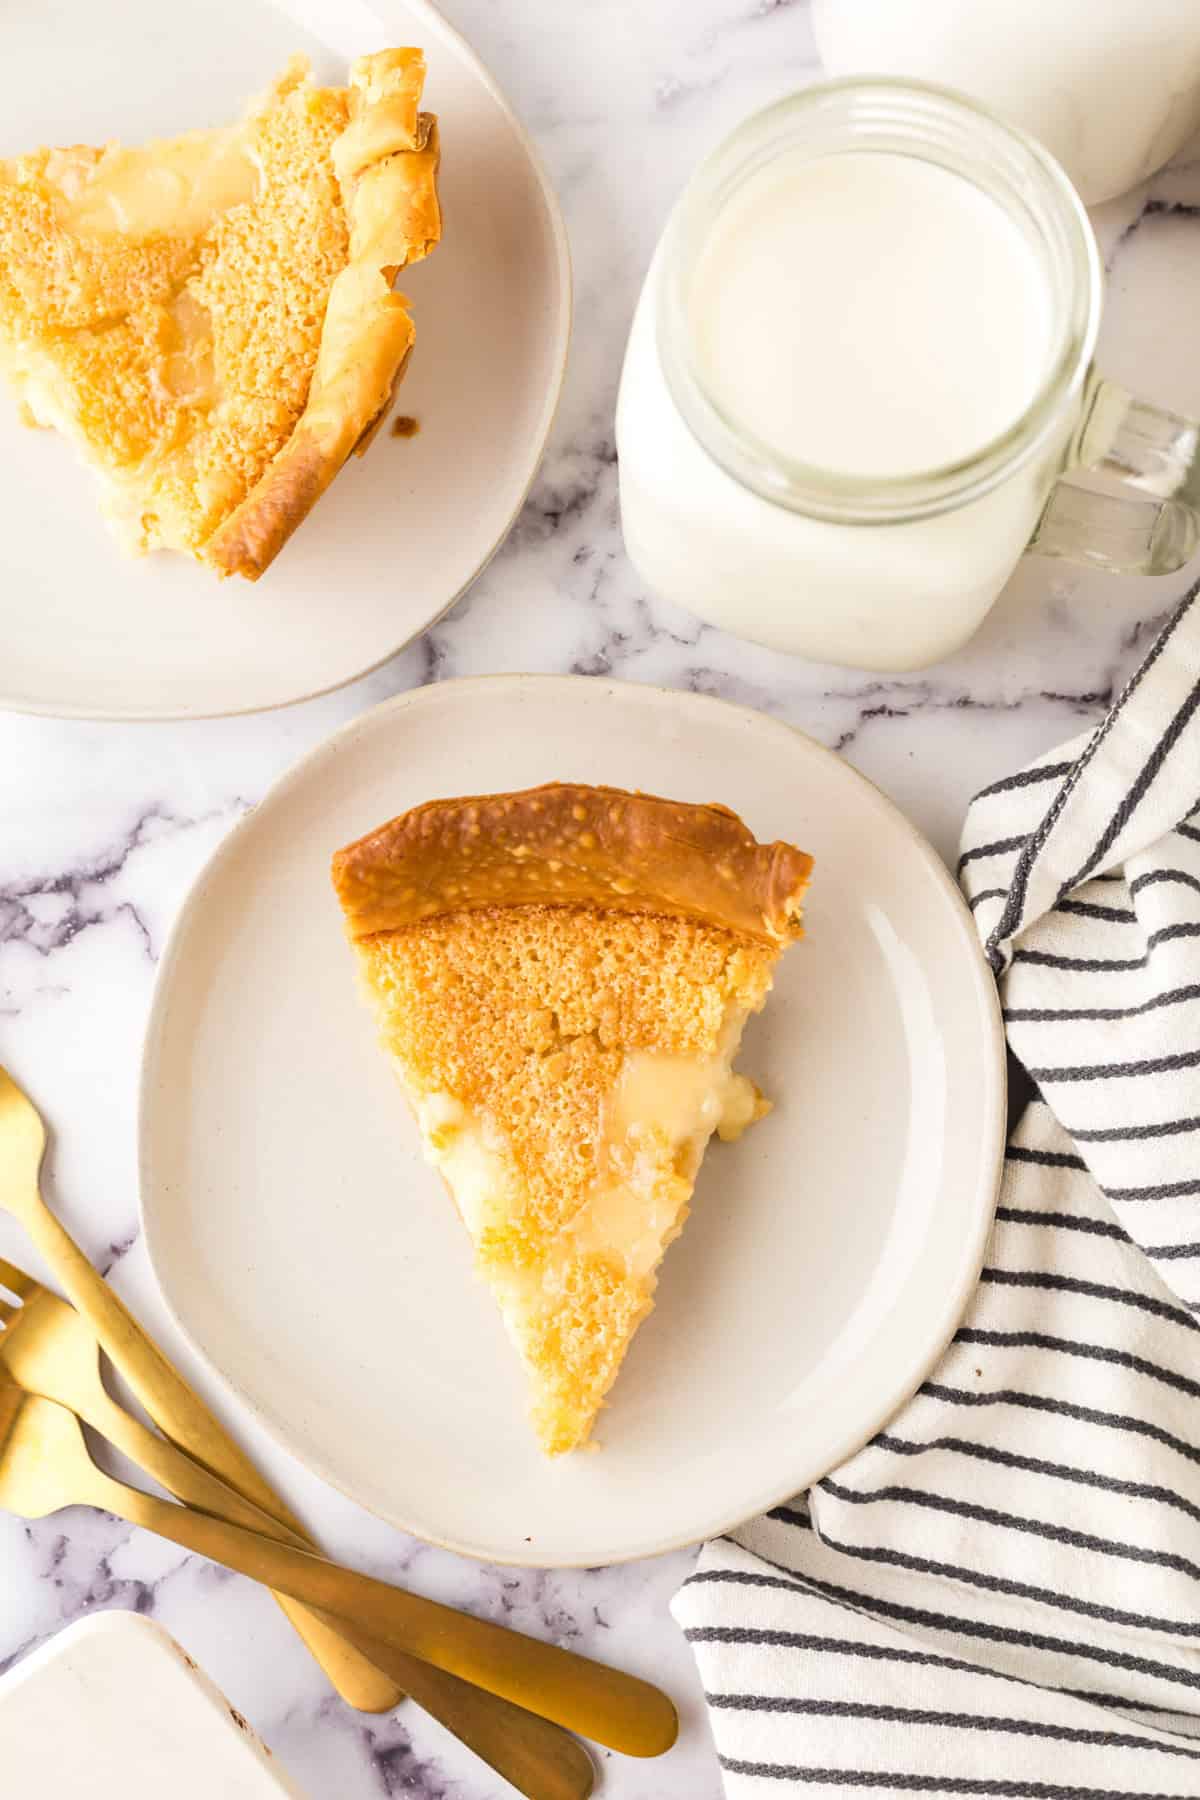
<point x="860" y="362"/>
<point x="1111" y="87"/>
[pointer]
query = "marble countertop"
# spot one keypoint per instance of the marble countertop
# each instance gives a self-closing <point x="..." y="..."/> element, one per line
<point x="105" y="826"/>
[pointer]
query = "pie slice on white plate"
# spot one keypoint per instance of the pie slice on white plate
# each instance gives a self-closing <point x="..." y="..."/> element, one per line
<point x="561" y="977"/>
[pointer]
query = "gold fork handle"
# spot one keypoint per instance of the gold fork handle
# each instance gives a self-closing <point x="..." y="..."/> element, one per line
<point x="185" y="1419"/>
<point x="583" y="1696"/>
<point x="538" y="1758"/>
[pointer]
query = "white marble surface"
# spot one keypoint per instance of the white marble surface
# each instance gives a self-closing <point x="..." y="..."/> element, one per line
<point x="103" y="828"/>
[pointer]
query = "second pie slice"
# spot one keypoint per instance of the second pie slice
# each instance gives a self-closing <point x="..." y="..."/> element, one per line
<point x="561" y="978"/>
<point x="210" y="319"/>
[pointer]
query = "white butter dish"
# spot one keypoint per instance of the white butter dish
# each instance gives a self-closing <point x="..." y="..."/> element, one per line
<point x="113" y="1708"/>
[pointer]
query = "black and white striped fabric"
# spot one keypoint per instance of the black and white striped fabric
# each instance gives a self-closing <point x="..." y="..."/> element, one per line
<point x="1000" y="1595"/>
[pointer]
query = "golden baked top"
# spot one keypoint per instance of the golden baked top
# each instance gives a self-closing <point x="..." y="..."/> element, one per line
<point x="572" y="844"/>
<point x="210" y="318"/>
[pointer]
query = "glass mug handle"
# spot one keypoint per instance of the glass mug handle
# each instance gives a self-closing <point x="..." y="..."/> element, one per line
<point x="1148" y="448"/>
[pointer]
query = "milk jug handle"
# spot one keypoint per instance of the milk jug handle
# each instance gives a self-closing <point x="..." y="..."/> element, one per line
<point x="1126" y="537"/>
<point x="1147" y="448"/>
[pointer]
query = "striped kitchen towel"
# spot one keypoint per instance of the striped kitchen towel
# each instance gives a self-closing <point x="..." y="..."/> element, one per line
<point x="1000" y="1595"/>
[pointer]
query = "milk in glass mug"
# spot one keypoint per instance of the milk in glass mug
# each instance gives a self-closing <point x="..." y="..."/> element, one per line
<point x="860" y="366"/>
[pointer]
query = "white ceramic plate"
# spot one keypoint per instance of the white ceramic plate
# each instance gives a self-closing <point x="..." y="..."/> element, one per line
<point x="314" y="1259"/>
<point x="113" y="1708"/>
<point x="86" y="632"/>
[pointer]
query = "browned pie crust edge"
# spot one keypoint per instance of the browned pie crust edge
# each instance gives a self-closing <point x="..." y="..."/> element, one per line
<point x="570" y="844"/>
<point x="386" y="161"/>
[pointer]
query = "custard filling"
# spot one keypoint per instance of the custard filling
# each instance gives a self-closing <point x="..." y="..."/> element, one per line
<point x="174" y="186"/>
<point x="659" y="1118"/>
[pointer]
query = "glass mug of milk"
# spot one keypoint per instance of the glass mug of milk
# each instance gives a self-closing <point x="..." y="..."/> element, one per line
<point x="859" y="367"/>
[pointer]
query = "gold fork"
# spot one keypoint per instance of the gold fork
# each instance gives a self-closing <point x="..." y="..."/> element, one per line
<point x="49" y="1349"/>
<point x="45" y="1465"/>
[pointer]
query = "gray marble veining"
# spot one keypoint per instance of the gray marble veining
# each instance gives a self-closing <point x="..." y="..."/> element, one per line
<point x="105" y="826"/>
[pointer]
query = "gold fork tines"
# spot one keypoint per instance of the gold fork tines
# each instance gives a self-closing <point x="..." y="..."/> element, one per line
<point x="48" y="1348"/>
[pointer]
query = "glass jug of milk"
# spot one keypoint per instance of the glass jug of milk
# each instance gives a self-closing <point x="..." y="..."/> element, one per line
<point x="859" y="366"/>
<point x="1110" y="87"/>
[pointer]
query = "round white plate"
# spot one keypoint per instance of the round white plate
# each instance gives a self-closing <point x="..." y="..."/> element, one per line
<point x="312" y="1256"/>
<point x="87" y="632"/>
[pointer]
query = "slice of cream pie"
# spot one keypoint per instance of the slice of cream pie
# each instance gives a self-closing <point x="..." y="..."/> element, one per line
<point x="561" y="978"/>
<point x="210" y="319"/>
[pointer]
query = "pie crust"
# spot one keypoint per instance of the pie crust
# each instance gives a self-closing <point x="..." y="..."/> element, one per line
<point x="567" y="843"/>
